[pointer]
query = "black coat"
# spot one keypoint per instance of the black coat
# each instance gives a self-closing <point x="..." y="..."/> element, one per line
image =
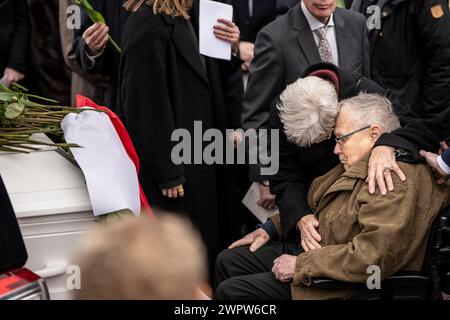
<point x="108" y="63"/>
<point x="164" y="86"/>
<point x="410" y="54"/>
<point x="299" y="166"/>
<point x="15" y="35"/>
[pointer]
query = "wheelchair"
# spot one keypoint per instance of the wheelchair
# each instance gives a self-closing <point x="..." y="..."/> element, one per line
<point x="428" y="284"/>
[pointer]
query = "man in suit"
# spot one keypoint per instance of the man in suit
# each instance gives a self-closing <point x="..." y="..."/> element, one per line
<point x="14" y="40"/>
<point x="313" y="31"/>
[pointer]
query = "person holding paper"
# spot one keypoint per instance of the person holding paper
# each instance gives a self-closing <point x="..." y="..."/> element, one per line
<point x="165" y="84"/>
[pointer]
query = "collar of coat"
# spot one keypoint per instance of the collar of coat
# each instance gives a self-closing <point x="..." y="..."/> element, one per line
<point x="338" y="179"/>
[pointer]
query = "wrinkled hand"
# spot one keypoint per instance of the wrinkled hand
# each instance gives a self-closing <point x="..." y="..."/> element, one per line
<point x="381" y="163"/>
<point x="228" y="31"/>
<point x="174" y="193"/>
<point x="266" y="199"/>
<point x="431" y="158"/>
<point x="96" y="38"/>
<point x="309" y="236"/>
<point x="255" y="239"/>
<point x="284" y="267"/>
<point x="11" y="75"/>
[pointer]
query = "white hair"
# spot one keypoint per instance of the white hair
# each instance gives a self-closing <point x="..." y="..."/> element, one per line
<point x="308" y="110"/>
<point x="368" y="109"/>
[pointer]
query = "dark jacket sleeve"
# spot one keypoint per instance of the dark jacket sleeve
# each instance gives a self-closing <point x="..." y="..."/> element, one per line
<point x="21" y="37"/>
<point x="434" y="35"/>
<point x="147" y="105"/>
<point x="415" y="133"/>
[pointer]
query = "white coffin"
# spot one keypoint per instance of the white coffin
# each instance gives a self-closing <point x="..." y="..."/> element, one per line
<point x="52" y="205"/>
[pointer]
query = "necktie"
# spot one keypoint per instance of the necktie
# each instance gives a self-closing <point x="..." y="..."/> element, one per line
<point x="324" y="46"/>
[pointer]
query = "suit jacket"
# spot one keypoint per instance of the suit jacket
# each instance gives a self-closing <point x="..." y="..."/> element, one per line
<point x="15" y="35"/>
<point x="286" y="47"/>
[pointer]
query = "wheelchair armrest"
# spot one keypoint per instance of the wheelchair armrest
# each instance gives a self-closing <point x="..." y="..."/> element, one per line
<point x="401" y="279"/>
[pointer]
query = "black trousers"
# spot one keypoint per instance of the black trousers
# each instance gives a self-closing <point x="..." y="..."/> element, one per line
<point x="243" y="275"/>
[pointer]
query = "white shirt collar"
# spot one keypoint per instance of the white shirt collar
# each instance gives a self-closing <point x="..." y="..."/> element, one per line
<point x="315" y="24"/>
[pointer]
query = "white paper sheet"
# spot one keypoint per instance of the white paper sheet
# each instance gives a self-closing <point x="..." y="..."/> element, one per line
<point x="110" y="174"/>
<point x="210" y="12"/>
<point x="250" y="201"/>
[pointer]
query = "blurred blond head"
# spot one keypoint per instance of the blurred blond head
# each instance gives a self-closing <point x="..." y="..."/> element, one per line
<point x="154" y="259"/>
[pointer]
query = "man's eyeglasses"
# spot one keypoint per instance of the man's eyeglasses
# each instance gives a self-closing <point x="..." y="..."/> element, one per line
<point x="340" y="140"/>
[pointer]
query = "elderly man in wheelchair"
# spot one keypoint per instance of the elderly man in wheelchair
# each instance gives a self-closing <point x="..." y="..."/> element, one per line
<point x="372" y="245"/>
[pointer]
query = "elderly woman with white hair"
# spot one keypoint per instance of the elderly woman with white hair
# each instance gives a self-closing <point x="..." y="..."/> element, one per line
<point x="357" y="229"/>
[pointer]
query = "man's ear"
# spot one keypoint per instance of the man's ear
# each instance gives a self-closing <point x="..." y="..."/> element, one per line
<point x="375" y="132"/>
